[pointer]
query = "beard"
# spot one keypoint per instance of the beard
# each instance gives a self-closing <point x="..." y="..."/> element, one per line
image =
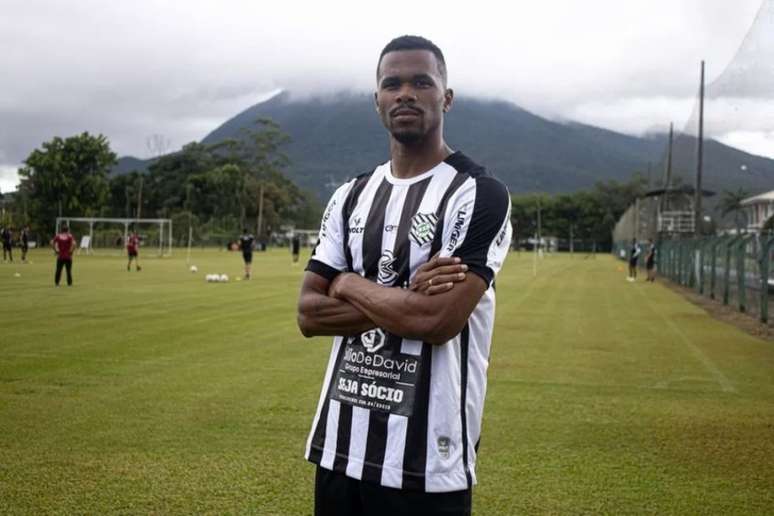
<point x="408" y="137"/>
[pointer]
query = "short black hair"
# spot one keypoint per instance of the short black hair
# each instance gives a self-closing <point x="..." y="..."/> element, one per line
<point x="414" y="43"/>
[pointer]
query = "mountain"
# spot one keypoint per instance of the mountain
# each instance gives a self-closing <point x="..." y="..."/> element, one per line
<point x="130" y="164"/>
<point x="337" y="137"/>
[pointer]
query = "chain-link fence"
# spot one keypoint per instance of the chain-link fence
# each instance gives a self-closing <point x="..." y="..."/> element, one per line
<point x="734" y="270"/>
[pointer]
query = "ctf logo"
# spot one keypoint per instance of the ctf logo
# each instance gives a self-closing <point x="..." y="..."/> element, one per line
<point x="423" y="228"/>
<point x="373" y="340"/>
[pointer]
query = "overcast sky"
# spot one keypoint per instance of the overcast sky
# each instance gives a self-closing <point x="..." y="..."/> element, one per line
<point x="180" y="68"/>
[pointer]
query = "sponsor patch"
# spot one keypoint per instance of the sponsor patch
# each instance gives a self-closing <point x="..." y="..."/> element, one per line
<point x="444" y="447"/>
<point x="387" y="273"/>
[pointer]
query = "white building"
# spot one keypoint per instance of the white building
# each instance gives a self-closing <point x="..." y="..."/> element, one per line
<point x="758" y="209"/>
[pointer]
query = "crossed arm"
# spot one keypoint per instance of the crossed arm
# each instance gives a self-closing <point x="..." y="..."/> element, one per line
<point x="433" y="309"/>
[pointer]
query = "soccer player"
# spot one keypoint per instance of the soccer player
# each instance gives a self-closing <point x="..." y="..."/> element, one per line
<point x="7" y="236"/>
<point x="634" y="256"/>
<point x="132" y="248"/>
<point x="650" y="262"/>
<point x="64" y="246"/>
<point x="246" y="242"/>
<point x="398" y="422"/>
<point x="25" y="242"/>
<point x="295" y="247"/>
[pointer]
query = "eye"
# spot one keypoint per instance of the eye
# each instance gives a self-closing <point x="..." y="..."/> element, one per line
<point x="423" y="83"/>
<point x="390" y="84"/>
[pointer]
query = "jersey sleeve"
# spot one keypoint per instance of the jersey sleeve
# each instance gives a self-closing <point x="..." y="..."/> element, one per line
<point x="477" y="226"/>
<point x="328" y="258"/>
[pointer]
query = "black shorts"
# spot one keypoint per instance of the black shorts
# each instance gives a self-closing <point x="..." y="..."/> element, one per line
<point x="649" y="264"/>
<point x="336" y="494"/>
<point x="247" y="257"/>
<point x="132" y="254"/>
<point x="633" y="263"/>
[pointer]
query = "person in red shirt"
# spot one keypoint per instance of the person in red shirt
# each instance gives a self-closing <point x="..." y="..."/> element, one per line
<point x="64" y="245"/>
<point x="132" y="245"/>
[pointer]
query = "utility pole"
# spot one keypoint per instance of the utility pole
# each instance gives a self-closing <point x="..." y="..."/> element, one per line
<point x="572" y="240"/>
<point x="649" y="166"/>
<point x="139" y="200"/>
<point x="260" y="214"/>
<point x="539" y="226"/>
<point x="699" y="159"/>
<point x="668" y="170"/>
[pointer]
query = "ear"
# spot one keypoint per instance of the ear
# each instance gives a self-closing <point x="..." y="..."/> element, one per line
<point x="376" y="101"/>
<point x="448" y="100"/>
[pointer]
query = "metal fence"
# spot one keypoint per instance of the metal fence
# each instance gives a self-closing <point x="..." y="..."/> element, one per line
<point x="734" y="270"/>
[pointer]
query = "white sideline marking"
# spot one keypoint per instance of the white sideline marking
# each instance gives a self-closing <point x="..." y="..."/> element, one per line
<point x="709" y="365"/>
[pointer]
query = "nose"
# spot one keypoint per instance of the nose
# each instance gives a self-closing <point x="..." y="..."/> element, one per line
<point x="406" y="94"/>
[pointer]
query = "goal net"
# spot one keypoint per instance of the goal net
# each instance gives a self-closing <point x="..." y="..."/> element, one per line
<point x="107" y="236"/>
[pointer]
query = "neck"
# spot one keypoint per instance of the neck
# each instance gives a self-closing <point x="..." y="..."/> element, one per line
<point x="408" y="161"/>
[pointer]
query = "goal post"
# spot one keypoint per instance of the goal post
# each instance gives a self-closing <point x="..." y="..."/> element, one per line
<point x="110" y="234"/>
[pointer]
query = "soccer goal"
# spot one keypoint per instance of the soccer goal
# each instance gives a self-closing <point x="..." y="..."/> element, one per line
<point x="98" y="235"/>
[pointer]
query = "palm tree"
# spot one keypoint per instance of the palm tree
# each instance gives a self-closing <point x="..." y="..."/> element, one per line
<point x="732" y="203"/>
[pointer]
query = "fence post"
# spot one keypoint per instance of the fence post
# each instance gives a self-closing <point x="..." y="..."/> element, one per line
<point x="714" y="261"/>
<point x="727" y="270"/>
<point x="741" y="278"/>
<point x="764" y="268"/>
<point x="702" y="248"/>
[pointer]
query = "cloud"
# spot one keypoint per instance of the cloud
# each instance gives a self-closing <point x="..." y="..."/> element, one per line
<point x="131" y="69"/>
<point x="8" y="178"/>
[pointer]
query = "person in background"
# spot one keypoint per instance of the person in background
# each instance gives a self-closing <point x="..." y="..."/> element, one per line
<point x="25" y="242"/>
<point x="650" y="262"/>
<point x="132" y="250"/>
<point x="7" y="236"/>
<point x="295" y="246"/>
<point x="634" y="255"/>
<point x="246" y="242"/>
<point x="64" y="246"/>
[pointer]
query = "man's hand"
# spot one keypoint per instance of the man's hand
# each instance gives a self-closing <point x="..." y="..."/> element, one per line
<point x="438" y="275"/>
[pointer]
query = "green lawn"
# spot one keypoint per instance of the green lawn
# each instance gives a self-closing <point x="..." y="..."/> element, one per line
<point x="155" y="392"/>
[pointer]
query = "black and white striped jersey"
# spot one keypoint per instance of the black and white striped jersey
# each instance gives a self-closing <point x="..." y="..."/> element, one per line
<point x="394" y="411"/>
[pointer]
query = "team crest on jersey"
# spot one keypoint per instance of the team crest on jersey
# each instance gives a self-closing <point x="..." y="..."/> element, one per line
<point x="423" y="228"/>
<point x="387" y="273"/>
<point x="373" y="340"/>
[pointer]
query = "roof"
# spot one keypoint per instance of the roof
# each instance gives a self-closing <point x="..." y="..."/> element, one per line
<point x="684" y="189"/>
<point x="764" y="197"/>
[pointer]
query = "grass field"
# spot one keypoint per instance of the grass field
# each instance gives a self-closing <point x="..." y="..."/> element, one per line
<point x="157" y="393"/>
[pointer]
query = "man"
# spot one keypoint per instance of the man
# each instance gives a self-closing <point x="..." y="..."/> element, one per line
<point x="295" y="247"/>
<point x="25" y="242"/>
<point x="132" y="248"/>
<point x="634" y="255"/>
<point x="246" y="242"/>
<point x="650" y="261"/>
<point x="64" y="246"/>
<point x="7" y="236"/>
<point x="399" y="418"/>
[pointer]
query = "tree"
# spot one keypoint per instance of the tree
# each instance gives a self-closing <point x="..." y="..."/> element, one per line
<point x="588" y="215"/>
<point x="768" y="227"/>
<point x="67" y="177"/>
<point x="731" y="203"/>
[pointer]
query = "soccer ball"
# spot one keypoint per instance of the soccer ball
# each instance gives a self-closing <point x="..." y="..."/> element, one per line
<point x="224" y="278"/>
<point x="194" y="268"/>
